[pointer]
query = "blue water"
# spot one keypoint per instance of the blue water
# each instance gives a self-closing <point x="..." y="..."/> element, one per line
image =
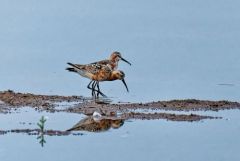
<point x="135" y="140"/>
<point x="179" y="49"/>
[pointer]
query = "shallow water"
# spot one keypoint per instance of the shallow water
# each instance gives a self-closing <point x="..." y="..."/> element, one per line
<point x="186" y="49"/>
<point x="179" y="49"/>
<point x="135" y="140"/>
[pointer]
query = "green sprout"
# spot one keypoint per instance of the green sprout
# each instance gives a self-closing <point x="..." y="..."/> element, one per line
<point x="41" y="125"/>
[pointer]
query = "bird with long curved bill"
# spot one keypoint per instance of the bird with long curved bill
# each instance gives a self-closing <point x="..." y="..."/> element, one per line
<point x="106" y="65"/>
<point x="97" y="73"/>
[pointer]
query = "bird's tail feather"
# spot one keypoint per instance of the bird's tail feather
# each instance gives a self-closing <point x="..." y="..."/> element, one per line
<point x="71" y="69"/>
<point x="74" y="65"/>
<point x="77" y="68"/>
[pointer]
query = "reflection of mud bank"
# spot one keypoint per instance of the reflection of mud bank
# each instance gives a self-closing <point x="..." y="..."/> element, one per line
<point x="166" y="116"/>
<point x="3" y="108"/>
<point x="105" y="123"/>
<point x="38" y="132"/>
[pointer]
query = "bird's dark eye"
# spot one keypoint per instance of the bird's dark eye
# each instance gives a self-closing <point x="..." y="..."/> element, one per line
<point x="122" y="74"/>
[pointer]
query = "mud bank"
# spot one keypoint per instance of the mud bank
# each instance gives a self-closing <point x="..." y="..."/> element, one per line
<point x="184" y="105"/>
<point x="10" y="100"/>
<point x="111" y="115"/>
<point x="46" y="102"/>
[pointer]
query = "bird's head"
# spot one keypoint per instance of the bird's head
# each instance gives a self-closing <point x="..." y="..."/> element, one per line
<point x="118" y="74"/>
<point x="116" y="56"/>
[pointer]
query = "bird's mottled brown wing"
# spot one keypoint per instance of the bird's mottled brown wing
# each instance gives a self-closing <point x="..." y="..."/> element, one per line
<point x="104" y="73"/>
<point x="102" y="62"/>
<point x="91" y="68"/>
<point x="96" y="68"/>
<point x="97" y="71"/>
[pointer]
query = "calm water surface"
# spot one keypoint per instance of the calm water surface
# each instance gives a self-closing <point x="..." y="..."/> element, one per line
<point x="135" y="140"/>
<point x="179" y="49"/>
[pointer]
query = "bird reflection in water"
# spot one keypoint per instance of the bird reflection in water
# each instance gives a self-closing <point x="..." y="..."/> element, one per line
<point x="95" y="124"/>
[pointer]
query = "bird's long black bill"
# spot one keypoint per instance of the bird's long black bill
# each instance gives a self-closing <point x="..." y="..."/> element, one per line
<point x="126" y="61"/>
<point x="125" y="84"/>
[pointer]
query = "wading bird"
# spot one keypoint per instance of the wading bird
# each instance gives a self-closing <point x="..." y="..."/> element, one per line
<point x="97" y="73"/>
<point x="111" y="63"/>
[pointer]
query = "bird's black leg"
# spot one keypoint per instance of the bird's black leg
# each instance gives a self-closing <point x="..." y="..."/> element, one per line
<point x="90" y="85"/>
<point x="98" y="88"/>
<point x="93" y="88"/>
<point x="99" y="91"/>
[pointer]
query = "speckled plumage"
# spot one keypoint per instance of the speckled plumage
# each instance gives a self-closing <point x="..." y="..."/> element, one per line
<point x="104" y="70"/>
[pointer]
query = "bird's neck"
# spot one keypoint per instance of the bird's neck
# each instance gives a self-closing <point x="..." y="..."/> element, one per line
<point x="113" y="65"/>
<point x="114" y="59"/>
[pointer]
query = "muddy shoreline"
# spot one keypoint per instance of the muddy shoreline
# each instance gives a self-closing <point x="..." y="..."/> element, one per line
<point x="10" y="100"/>
<point x="111" y="114"/>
